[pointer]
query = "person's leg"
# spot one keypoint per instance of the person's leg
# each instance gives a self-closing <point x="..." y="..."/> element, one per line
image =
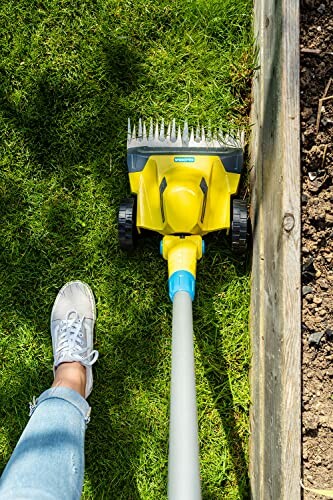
<point x="48" y="461"/>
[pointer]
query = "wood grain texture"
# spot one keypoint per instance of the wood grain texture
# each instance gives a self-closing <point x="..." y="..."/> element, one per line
<point x="275" y="446"/>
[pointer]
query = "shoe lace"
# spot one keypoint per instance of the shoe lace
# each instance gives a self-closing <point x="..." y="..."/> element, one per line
<point x="70" y="331"/>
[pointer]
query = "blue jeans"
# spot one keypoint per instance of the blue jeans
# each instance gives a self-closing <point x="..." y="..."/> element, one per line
<point x="48" y="461"/>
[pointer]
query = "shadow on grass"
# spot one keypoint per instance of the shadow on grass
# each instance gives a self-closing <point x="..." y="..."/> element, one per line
<point x="64" y="124"/>
<point x="34" y="264"/>
<point x="219" y="371"/>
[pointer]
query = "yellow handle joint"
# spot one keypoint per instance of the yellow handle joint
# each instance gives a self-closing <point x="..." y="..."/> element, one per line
<point x="182" y="253"/>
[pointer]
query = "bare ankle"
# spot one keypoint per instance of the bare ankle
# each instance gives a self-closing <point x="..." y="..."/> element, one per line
<point x="71" y="375"/>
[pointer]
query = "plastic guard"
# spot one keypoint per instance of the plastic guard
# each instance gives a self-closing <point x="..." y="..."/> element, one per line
<point x="181" y="281"/>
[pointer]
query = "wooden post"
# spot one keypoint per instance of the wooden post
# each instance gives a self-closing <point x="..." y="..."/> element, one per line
<point x="275" y="446"/>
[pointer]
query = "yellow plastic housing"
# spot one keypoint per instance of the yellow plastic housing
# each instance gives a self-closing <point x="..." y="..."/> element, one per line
<point x="194" y="199"/>
<point x="182" y="253"/>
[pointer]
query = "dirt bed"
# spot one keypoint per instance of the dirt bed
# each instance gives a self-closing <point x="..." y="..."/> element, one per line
<point x="317" y="242"/>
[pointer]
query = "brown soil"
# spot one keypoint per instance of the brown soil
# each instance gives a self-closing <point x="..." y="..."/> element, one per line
<point x="317" y="242"/>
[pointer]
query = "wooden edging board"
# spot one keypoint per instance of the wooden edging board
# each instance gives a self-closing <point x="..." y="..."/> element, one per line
<point x="275" y="443"/>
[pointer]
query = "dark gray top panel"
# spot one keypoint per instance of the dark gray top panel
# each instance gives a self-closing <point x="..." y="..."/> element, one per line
<point x="232" y="158"/>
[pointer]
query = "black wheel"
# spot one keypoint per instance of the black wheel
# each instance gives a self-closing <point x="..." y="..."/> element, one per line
<point x="239" y="227"/>
<point x="127" y="231"/>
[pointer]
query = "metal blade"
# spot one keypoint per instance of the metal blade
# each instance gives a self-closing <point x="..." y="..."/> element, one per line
<point x="178" y="138"/>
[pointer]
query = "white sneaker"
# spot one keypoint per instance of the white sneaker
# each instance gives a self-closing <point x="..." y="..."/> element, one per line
<point x="72" y="326"/>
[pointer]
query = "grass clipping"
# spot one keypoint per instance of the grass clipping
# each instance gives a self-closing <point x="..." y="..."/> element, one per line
<point x="71" y="74"/>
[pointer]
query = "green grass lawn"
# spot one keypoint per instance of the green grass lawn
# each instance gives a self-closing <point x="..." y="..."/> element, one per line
<point x="71" y="74"/>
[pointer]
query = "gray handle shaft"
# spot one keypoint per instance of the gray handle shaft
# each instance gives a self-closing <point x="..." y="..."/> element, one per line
<point x="183" y="472"/>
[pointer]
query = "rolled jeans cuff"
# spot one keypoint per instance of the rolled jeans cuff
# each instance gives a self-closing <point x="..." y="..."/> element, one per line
<point x="67" y="394"/>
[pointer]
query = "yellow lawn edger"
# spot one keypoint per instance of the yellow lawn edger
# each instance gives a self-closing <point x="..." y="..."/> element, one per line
<point x="183" y="184"/>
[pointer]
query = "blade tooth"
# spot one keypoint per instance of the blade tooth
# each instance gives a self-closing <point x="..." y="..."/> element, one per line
<point x="242" y="138"/>
<point x="140" y="129"/>
<point x="239" y="139"/>
<point x="161" y="136"/>
<point x="143" y="139"/>
<point x="192" y="142"/>
<point x="209" y="132"/>
<point x="192" y="134"/>
<point x="185" y="136"/>
<point x="216" y="139"/>
<point x="168" y="132"/>
<point x="179" y="137"/>
<point x="134" y="133"/>
<point x="173" y="137"/>
<point x="156" y="132"/>
<point x="197" y="134"/>
<point x="203" y="134"/>
<point x="223" y="139"/>
<point x="232" y="140"/>
<point x="129" y="135"/>
<point x="151" y="130"/>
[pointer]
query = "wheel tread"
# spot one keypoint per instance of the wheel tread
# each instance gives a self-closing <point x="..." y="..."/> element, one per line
<point x="239" y="226"/>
